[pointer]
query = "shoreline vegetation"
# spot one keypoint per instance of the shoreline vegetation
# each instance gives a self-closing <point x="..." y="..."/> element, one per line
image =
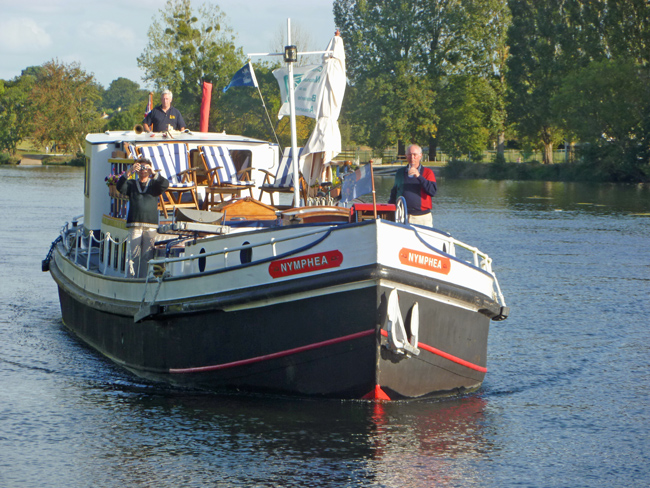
<point x="457" y="170"/>
<point x="535" y="171"/>
<point x="576" y="170"/>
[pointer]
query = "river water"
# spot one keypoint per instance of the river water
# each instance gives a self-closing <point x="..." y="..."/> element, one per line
<point x="565" y="403"/>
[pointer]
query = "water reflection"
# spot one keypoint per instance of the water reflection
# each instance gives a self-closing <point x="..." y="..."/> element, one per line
<point x="243" y="440"/>
<point x="433" y="446"/>
<point x="601" y="198"/>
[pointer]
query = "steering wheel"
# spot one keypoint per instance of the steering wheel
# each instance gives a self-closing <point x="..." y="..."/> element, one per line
<point x="401" y="214"/>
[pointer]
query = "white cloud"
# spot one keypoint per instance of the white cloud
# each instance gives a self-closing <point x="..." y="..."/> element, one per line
<point x="106" y="37"/>
<point x="23" y="35"/>
<point x="106" y="33"/>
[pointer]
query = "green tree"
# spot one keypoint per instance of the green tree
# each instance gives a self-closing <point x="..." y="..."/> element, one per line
<point x="122" y="93"/>
<point x="126" y="119"/>
<point x="395" y="106"/>
<point x="15" y="112"/>
<point x="185" y="49"/>
<point x="63" y="100"/>
<point x="393" y="46"/>
<point x="625" y="27"/>
<point x="605" y="105"/>
<point x="241" y="110"/>
<point x="466" y="105"/>
<point x="547" y="41"/>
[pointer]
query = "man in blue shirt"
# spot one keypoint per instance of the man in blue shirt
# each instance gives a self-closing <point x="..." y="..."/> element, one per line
<point x="164" y="116"/>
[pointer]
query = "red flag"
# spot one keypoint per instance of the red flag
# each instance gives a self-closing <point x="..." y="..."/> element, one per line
<point x="205" y="106"/>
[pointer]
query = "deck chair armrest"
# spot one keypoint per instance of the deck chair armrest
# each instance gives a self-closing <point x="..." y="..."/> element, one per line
<point x="266" y="172"/>
<point x="212" y="172"/>
<point x="245" y="171"/>
<point x="187" y="171"/>
<point x="187" y="175"/>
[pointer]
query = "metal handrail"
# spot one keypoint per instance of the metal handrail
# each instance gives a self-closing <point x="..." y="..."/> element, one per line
<point x="85" y="244"/>
<point x="485" y="263"/>
<point x="273" y="241"/>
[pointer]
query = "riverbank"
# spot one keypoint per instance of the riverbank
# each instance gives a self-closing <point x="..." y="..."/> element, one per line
<point x="31" y="159"/>
<point x="535" y="171"/>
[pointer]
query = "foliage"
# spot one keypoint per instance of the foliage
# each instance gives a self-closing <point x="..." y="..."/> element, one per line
<point x="466" y="104"/>
<point x="113" y="178"/>
<point x="123" y="93"/>
<point x="185" y="49"/>
<point x="536" y="65"/>
<point x="581" y="171"/>
<point x="625" y="27"/>
<point x="605" y="101"/>
<point x="394" y="107"/>
<point x="399" y="55"/>
<point x="63" y="100"/>
<point x="78" y="160"/>
<point x="15" y="113"/>
<point x="127" y="119"/>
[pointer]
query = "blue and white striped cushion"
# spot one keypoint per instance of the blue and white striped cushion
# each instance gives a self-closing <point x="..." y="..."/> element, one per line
<point x="284" y="176"/>
<point x="219" y="157"/>
<point x="170" y="160"/>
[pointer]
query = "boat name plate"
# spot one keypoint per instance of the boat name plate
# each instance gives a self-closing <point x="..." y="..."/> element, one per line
<point x="422" y="260"/>
<point x="305" y="264"/>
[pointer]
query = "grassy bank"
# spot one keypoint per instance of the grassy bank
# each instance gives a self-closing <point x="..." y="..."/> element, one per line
<point x="538" y="172"/>
<point x="45" y="159"/>
<point x="28" y="148"/>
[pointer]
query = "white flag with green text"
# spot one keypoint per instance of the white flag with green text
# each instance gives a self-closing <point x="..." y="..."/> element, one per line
<point x="308" y="82"/>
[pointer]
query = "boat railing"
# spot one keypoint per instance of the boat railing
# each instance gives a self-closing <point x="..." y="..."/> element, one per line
<point x="157" y="265"/>
<point x="81" y="247"/>
<point x="480" y="260"/>
<point x="113" y="253"/>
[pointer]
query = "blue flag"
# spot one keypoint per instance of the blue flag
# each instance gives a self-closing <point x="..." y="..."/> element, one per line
<point x="244" y="77"/>
<point x="357" y="184"/>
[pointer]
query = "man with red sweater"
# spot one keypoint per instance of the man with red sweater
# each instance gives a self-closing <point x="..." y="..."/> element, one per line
<point x="417" y="185"/>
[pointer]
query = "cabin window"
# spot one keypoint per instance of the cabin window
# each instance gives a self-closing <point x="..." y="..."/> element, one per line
<point x="242" y="158"/>
<point x="116" y="254"/>
<point x="246" y="255"/>
<point x="109" y="253"/>
<point x="123" y="256"/>
<point x="202" y="261"/>
<point x="101" y="247"/>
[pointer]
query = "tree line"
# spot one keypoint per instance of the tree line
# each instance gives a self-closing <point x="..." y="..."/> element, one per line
<point x="453" y="75"/>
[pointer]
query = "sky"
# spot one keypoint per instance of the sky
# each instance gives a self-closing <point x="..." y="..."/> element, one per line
<point x="106" y="36"/>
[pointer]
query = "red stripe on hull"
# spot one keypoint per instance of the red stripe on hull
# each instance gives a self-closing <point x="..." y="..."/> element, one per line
<point x="275" y="355"/>
<point x="446" y="355"/>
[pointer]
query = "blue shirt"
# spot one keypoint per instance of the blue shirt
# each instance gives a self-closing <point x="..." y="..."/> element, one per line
<point x="159" y="120"/>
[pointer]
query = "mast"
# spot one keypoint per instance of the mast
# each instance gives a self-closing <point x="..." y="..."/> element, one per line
<point x="290" y="55"/>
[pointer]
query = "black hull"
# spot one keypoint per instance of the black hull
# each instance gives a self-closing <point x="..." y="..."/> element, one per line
<point x="329" y="344"/>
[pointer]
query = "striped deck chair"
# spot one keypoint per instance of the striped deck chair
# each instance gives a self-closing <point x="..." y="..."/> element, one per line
<point x="223" y="178"/>
<point x="131" y="150"/>
<point x="282" y="181"/>
<point x="172" y="160"/>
